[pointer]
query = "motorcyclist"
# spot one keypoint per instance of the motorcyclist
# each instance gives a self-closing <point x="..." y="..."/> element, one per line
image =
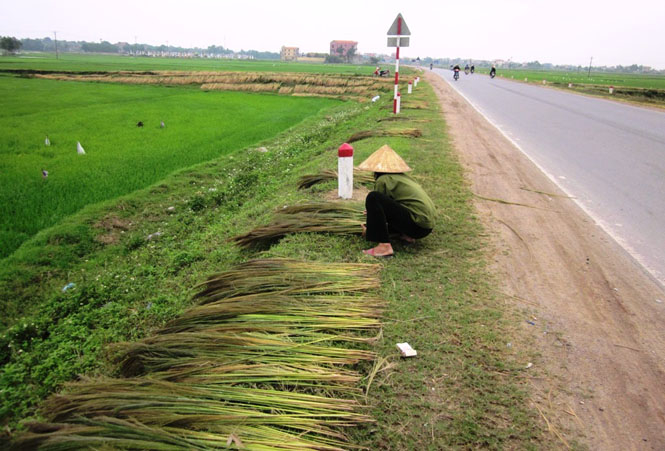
<point x="466" y="69"/>
<point x="456" y="70"/>
<point x="431" y="66"/>
<point x="493" y="71"/>
<point x="473" y="68"/>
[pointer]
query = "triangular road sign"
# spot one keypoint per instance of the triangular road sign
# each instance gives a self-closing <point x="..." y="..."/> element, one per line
<point x="403" y="31"/>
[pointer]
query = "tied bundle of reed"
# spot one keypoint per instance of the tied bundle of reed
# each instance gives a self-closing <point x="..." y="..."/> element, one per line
<point x="257" y="363"/>
<point x="306" y="181"/>
<point x="290" y="277"/>
<point x="317" y="217"/>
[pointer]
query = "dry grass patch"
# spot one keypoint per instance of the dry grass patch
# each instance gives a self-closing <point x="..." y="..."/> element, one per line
<point x="355" y="87"/>
<point x="405" y="132"/>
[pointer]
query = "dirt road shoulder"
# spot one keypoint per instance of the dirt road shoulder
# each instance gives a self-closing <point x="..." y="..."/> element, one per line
<point x="596" y="317"/>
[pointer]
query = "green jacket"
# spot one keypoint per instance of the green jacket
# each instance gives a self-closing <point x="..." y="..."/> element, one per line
<point x="403" y="189"/>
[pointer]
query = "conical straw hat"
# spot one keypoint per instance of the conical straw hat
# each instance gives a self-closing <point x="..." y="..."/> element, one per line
<point x="385" y="160"/>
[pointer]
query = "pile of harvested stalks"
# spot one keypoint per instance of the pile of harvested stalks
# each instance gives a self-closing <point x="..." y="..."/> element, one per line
<point x="256" y="364"/>
<point x="325" y="85"/>
<point x="306" y="181"/>
<point x="317" y="217"/>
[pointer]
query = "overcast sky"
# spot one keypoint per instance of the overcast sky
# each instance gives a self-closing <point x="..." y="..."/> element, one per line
<point x="564" y="31"/>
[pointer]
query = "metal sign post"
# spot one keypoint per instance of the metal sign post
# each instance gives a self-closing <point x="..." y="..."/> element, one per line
<point x="398" y="29"/>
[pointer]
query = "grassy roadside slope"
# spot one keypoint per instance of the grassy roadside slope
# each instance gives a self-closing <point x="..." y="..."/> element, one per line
<point x="464" y="390"/>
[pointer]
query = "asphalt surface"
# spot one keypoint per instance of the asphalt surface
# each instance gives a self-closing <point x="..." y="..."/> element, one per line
<point x="609" y="156"/>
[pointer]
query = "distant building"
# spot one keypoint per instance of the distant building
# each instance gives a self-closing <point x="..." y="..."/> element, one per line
<point x="288" y="53"/>
<point x="345" y="47"/>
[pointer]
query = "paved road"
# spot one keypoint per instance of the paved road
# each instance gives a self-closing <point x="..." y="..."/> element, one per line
<point x="609" y="156"/>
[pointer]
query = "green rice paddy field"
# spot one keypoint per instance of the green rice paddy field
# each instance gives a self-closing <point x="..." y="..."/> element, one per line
<point x="582" y="77"/>
<point x="82" y="63"/>
<point x="120" y="157"/>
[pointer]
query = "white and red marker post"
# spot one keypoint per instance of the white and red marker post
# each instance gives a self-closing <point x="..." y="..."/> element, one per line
<point x="400" y="31"/>
<point x="345" y="171"/>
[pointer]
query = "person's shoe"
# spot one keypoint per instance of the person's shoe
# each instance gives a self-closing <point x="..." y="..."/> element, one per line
<point x="372" y="252"/>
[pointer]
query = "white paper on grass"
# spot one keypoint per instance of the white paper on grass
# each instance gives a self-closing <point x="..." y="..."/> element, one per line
<point x="406" y="350"/>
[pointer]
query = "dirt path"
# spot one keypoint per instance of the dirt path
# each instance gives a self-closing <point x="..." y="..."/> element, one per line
<point x="599" y="319"/>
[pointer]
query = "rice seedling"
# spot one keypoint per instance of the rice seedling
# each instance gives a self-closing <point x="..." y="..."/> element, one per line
<point x="321" y="217"/>
<point x="306" y="181"/>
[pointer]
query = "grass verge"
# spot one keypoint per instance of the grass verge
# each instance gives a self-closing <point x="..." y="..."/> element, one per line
<point x="465" y="389"/>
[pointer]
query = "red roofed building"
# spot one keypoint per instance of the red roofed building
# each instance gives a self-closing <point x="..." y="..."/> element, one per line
<point x="345" y="46"/>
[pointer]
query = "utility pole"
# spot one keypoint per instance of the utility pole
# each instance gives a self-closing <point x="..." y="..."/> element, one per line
<point x="135" y="46"/>
<point x="55" y="35"/>
<point x="589" y="74"/>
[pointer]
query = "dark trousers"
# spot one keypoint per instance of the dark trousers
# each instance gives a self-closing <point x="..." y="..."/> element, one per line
<point x="386" y="216"/>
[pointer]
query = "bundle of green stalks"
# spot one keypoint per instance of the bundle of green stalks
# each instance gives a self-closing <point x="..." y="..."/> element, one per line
<point x="319" y="217"/>
<point x="278" y="275"/>
<point x="106" y="433"/>
<point x="361" y="177"/>
<point x="257" y="363"/>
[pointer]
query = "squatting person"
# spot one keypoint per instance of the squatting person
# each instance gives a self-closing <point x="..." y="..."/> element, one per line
<point x="398" y="204"/>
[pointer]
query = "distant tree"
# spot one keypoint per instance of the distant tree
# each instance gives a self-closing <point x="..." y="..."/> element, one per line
<point x="333" y="59"/>
<point x="36" y="45"/>
<point x="102" y="47"/>
<point x="373" y="60"/>
<point x="340" y="51"/>
<point x="9" y="44"/>
<point x="350" y="54"/>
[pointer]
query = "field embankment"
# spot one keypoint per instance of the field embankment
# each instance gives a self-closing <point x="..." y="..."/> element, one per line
<point x="466" y="388"/>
